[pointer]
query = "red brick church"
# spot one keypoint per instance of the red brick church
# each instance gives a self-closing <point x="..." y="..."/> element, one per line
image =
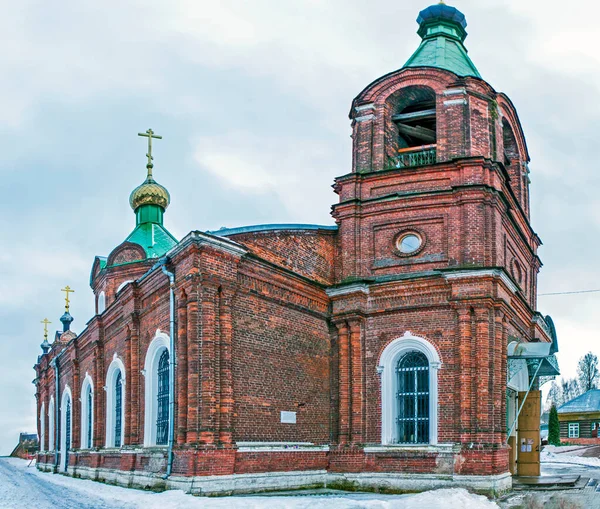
<point x="373" y="354"/>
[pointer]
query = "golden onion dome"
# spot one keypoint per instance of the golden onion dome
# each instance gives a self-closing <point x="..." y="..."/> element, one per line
<point x="149" y="193"/>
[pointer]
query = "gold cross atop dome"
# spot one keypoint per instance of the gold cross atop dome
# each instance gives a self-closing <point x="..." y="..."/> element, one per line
<point x="150" y="134"/>
<point x="45" y="321"/>
<point x="67" y="291"/>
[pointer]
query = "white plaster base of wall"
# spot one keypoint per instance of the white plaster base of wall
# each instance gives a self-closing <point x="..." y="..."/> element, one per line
<point x="491" y="484"/>
<point x="275" y="481"/>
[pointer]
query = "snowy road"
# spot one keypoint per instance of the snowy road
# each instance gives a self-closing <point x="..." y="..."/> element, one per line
<point x="25" y="487"/>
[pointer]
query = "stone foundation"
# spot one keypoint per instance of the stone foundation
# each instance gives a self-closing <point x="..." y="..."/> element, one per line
<point x="256" y="482"/>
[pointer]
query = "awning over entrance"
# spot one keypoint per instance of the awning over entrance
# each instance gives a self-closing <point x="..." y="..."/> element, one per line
<point x="535" y="356"/>
<point x="527" y="362"/>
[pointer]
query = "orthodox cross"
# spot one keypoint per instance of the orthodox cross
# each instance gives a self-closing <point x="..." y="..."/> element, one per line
<point x="45" y="321"/>
<point x="67" y="291"/>
<point x="150" y="134"/>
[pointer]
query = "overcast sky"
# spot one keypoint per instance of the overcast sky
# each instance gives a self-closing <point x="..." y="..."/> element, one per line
<point x="252" y="99"/>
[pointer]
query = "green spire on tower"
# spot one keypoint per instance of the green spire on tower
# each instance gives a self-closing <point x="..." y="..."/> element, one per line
<point x="442" y="29"/>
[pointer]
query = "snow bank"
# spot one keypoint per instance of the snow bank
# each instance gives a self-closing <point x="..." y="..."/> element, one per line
<point x="570" y="456"/>
<point x="455" y="498"/>
<point x="560" y="449"/>
<point x="446" y="498"/>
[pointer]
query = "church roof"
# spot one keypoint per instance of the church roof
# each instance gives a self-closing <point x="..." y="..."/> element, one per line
<point x="154" y="238"/>
<point x="587" y="402"/>
<point x="224" y="232"/>
<point x="442" y="29"/>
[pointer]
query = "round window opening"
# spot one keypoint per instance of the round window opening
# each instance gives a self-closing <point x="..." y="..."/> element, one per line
<point x="409" y="243"/>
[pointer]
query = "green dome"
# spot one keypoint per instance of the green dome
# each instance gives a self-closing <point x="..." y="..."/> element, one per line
<point x="442" y="29"/>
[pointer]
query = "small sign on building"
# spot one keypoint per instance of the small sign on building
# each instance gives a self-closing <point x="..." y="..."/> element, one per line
<point x="288" y="417"/>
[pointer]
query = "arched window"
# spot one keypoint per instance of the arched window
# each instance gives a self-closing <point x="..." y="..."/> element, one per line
<point x="51" y="424"/>
<point x="115" y="403"/>
<point x="408" y="367"/>
<point x="162" y="418"/>
<point x="118" y="409"/>
<point x="413" y="398"/>
<point x="66" y="428"/>
<point x="43" y="426"/>
<point x="101" y="303"/>
<point x="123" y="284"/>
<point x="411" y="137"/>
<point x="156" y="402"/>
<point x="87" y="413"/>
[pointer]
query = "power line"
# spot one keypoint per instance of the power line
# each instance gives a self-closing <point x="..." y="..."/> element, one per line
<point x="568" y="293"/>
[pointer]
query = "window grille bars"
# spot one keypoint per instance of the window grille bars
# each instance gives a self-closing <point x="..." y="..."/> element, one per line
<point x="118" y="409"/>
<point x="162" y="414"/>
<point x="413" y="398"/>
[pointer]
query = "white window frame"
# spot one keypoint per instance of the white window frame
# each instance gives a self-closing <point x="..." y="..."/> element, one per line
<point x="66" y="397"/>
<point x="593" y="426"/>
<point x="159" y="344"/>
<point x="101" y="302"/>
<point x="387" y="370"/>
<point x="573" y="430"/>
<point x="123" y="284"/>
<point x="115" y="367"/>
<point x="88" y="384"/>
<point x="51" y="432"/>
<point x="43" y="426"/>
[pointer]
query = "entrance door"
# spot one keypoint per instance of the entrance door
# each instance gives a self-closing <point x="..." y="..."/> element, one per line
<point x="528" y="437"/>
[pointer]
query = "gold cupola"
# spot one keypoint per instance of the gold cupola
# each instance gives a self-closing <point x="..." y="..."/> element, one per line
<point x="150" y="192"/>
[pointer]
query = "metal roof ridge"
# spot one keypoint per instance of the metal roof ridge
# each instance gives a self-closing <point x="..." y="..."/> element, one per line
<point x="222" y="232"/>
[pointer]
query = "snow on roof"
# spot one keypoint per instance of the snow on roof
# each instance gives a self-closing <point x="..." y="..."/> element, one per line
<point x="587" y="402"/>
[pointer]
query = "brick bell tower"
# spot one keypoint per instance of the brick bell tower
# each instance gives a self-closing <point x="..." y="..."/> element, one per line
<point x="437" y="257"/>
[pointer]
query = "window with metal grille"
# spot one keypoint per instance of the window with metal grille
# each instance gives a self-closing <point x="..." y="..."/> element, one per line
<point x="89" y="417"/>
<point x="413" y="398"/>
<point x="162" y="414"/>
<point x="118" y="409"/>
<point x="67" y="432"/>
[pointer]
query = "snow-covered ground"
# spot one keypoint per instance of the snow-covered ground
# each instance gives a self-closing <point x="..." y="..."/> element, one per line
<point x="568" y="454"/>
<point x="26" y="487"/>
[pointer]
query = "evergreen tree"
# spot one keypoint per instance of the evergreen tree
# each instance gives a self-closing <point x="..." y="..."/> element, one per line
<point x="553" y="427"/>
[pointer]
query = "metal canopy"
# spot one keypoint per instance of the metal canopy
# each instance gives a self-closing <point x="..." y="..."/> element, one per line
<point x="539" y="361"/>
<point x="537" y="356"/>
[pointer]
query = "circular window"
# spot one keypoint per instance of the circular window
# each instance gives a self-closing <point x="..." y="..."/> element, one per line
<point x="409" y="243"/>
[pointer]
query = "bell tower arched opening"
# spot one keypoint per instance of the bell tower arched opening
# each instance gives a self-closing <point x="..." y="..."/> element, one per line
<point x="411" y="133"/>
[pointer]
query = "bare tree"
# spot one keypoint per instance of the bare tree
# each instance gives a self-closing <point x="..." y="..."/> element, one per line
<point x="570" y="389"/>
<point x="555" y="396"/>
<point x="587" y="371"/>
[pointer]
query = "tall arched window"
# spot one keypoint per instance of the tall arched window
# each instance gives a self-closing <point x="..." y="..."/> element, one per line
<point x="43" y="426"/>
<point x="408" y="367"/>
<point x="87" y="413"/>
<point x="101" y="303"/>
<point x="115" y="403"/>
<point x="118" y="409"/>
<point x="66" y="428"/>
<point x="51" y="424"/>
<point x="413" y="398"/>
<point x="156" y="402"/>
<point x="162" y="418"/>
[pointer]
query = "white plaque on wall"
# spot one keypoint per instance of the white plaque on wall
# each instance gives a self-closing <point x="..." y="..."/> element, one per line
<point x="288" y="417"/>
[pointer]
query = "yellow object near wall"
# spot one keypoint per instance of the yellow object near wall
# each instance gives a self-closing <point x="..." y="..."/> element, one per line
<point x="528" y="437"/>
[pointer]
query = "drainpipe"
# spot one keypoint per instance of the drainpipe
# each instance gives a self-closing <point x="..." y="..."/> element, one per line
<point x="56" y="411"/>
<point x="172" y="363"/>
